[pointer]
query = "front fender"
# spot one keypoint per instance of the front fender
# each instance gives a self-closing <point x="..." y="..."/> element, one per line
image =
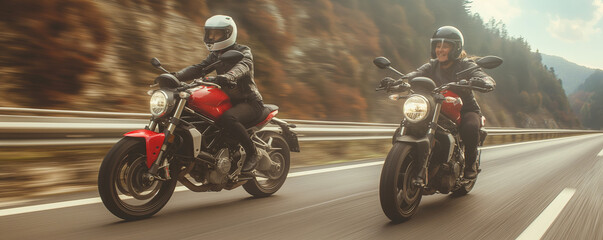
<point x="423" y="144"/>
<point x="153" y="140"/>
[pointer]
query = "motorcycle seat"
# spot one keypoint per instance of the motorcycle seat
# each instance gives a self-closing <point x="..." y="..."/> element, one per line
<point x="268" y="113"/>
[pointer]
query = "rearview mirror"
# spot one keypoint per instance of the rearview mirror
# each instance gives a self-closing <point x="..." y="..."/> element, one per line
<point x="382" y="62"/>
<point x="231" y="56"/>
<point x="489" y="62"/>
<point x="155" y="62"/>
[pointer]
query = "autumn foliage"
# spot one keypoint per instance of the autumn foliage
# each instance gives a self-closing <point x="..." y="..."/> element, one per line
<point x="311" y="57"/>
<point x="49" y="45"/>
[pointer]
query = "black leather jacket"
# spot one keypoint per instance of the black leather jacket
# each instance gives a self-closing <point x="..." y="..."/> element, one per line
<point x="240" y="87"/>
<point x="442" y="76"/>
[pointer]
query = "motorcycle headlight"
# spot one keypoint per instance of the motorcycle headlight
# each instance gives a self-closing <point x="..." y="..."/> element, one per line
<point x="159" y="103"/>
<point x="416" y="108"/>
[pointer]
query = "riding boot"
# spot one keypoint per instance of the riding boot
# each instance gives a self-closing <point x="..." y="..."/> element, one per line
<point x="470" y="166"/>
<point x="251" y="162"/>
<point x="252" y="159"/>
<point x="238" y="131"/>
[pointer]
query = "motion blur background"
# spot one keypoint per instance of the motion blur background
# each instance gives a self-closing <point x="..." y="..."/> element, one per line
<point x="313" y="58"/>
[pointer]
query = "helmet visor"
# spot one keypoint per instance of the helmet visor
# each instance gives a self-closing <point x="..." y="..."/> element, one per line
<point x="435" y="41"/>
<point x="214" y="35"/>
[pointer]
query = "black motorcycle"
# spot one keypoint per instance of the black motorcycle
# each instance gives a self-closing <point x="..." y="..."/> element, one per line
<point x="427" y="154"/>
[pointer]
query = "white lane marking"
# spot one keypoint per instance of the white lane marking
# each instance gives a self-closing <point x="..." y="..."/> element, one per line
<point x="530" y="142"/>
<point x="80" y="202"/>
<point x="48" y="206"/>
<point x="600" y="153"/>
<point x="542" y="223"/>
<point x="332" y="169"/>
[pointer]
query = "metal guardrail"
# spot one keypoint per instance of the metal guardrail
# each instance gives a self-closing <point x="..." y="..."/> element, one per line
<point x="105" y="128"/>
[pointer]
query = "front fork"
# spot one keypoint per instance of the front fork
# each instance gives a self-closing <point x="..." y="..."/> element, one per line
<point x="161" y="162"/>
<point x="423" y="180"/>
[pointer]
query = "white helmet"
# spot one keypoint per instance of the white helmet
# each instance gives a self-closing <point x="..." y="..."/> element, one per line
<point x="220" y="32"/>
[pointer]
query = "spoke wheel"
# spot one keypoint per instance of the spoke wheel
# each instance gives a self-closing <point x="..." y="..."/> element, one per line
<point x="398" y="195"/>
<point x="266" y="183"/>
<point x="123" y="186"/>
<point x="140" y="187"/>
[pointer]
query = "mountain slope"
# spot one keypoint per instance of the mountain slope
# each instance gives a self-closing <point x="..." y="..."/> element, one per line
<point x="313" y="58"/>
<point x="587" y="101"/>
<point x="572" y="75"/>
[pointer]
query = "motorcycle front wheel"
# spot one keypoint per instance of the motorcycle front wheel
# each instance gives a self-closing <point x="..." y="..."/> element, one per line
<point x="123" y="187"/>
<point x="266" y="183"/>
<point x="399" y="196"/>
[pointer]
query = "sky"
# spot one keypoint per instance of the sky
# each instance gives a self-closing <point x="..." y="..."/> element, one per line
<point x="572" y="29"/>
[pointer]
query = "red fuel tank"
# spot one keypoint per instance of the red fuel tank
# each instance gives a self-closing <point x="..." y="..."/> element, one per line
<point x="451" y="107"/>
<point x="209" y="101"/>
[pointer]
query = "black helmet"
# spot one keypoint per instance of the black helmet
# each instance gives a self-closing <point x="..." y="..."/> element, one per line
<point x="448" y="34"/>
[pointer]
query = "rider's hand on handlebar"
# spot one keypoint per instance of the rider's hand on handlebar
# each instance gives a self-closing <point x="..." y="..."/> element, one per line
<point x="479" y="82"/>
<point x="386" y="82"/>
<point x="464" y="82"/>
<point x="224" y="80"/>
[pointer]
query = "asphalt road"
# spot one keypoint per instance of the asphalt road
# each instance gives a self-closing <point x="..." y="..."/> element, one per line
<point x="551" y="188"/>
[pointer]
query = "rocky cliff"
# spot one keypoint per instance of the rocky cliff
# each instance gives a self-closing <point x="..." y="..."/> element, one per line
<point x="313" y="58"/>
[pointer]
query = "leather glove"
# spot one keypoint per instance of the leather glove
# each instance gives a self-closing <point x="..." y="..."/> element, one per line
<point x="479" y="82"/>
<point x="386" y="82"/>
<point x="225" y="80"/>
<point x="476" y="81"/>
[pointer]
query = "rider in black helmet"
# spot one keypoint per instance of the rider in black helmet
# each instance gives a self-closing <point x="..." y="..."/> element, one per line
<point x="236" y="81"/>
<point x="449" y="58"/>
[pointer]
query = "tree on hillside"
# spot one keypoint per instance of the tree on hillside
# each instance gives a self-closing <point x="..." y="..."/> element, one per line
<point x="587" y="100"/>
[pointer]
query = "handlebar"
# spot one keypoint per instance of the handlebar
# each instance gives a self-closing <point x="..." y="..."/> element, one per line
<point x="460" y="85"/>
<point x="405" y="86"/>
<point x="196" y="83"/>
<point x="398" y="88"/>
<point x="208" y="81"/>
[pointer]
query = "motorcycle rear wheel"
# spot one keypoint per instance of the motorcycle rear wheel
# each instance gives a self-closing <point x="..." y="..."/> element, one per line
<point x="273" y="180"/>
<point x="122" y="186"/>
<point x="467" y="187"/>
<point x="399" y="196"/>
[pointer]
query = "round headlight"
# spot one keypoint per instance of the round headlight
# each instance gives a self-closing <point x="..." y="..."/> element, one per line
<point x="416" y="108"/>
<point x="159" y="103"/>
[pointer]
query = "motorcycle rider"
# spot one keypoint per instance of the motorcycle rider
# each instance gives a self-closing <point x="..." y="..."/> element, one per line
<point x="236" y="81"/>
<point x="449" y="58"/>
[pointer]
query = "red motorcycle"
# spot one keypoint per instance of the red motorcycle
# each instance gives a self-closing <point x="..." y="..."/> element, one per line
<point x="427" y="155"/>
<point x="182" y="143"/>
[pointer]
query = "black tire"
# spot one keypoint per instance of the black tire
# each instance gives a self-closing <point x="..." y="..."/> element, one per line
<point x="121" y="186"/>
<point x="399" y="197"/>
<point x="465" y="189"/>
<point x="264" y="187"/>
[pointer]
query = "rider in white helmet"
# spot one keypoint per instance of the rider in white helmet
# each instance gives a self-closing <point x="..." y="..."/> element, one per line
<point x="236" y="80"/>
<point x="220" y="32"/>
